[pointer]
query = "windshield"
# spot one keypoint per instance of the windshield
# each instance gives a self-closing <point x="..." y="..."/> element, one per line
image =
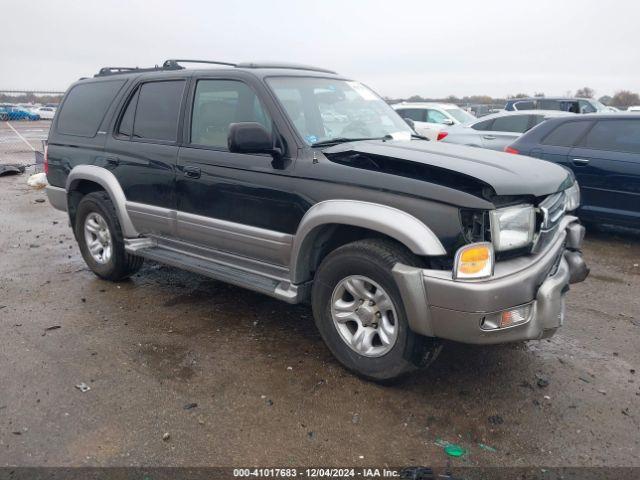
<point x="322" y="109"/>
<point x="598" y="106"/>
<point x="460" y="115"/>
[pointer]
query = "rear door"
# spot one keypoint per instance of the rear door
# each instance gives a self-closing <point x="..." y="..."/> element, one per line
<point x="505" y="130"/>
<point x="143" y="150"/>
<point x="607" y="164"/>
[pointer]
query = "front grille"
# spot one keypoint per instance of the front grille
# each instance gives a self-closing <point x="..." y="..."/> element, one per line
<point x="552" y="209"/>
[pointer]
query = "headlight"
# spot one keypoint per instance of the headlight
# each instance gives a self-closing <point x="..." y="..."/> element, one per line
<point x="474" y="261"/>
<point x="572" y="197"/>
<point x="512" y="227"/>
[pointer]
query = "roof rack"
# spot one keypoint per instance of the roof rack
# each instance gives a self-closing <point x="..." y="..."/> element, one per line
<point x="174" y="64"/>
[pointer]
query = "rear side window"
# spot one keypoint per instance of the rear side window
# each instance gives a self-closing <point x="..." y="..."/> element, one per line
<point x="157" y="110"/>
<point x="85" y="107"/>
<point x="566" y="134"/>
<point x="614" y="135"/>
<point x="524" y="105"/>
<point x="548" y="105"/>
<point x="415" y="114"/>
<point x="511" y="123"/>
<point x="484" y="125"/>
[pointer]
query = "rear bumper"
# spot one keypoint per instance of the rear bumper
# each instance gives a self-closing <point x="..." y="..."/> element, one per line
<point x="438" y="306"/>
<point x="57" y="197"/>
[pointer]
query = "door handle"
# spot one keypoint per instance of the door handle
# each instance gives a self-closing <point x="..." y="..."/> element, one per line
<point x="113" y="161"/>
<point x="191" y="172"/>
<point x="488" y="137"/>
<point x="580" y="162"/>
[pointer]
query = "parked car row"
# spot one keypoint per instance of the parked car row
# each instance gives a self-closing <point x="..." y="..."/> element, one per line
<point x="22" y="112"/>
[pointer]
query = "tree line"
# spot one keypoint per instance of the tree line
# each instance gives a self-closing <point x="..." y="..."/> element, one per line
<point x="621" y="99"/>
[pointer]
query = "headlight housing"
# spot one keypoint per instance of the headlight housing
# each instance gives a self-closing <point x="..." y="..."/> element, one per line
<point x="572" y="197"/>
<point x="512" y="227"/>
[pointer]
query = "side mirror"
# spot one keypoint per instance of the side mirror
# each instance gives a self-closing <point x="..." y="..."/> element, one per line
<point x="410" y="122"/>
<point x="448" y="121"/>
<point x="250" y="137"/>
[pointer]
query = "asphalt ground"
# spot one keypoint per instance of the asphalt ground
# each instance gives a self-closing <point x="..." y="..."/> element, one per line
<point x="187" y="371"/>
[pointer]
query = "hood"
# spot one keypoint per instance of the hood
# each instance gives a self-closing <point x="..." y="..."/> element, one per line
<point x="505" y="173"/>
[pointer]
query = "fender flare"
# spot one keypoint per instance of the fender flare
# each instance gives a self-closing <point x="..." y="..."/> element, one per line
<point x="395" y="223"/>
<point x="109" y="182"/>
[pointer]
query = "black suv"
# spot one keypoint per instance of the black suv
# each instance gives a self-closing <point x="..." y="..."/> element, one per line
<point x="301" y="184"/>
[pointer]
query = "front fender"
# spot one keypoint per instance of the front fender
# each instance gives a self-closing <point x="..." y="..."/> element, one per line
<point x="390" y="221"/>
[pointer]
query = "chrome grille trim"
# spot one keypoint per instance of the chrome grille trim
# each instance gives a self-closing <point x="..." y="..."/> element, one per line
<point x="553" y="209"/>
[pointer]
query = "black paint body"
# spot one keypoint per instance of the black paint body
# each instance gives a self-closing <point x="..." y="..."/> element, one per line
<point x="429" y="181"/>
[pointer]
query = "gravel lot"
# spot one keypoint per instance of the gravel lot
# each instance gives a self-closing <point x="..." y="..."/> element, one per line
<point x="237" y="379"/>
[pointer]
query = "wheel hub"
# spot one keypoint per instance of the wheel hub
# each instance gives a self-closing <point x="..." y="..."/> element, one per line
<point x="364" y="316"/>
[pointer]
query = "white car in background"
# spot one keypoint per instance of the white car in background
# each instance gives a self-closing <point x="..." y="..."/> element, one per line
<point x="634" y="108"/>
<point x="430" y="118"/>
<point x="46" y="113"/>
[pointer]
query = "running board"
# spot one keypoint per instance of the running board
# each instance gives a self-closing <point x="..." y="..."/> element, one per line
<point x="223" y="271"/>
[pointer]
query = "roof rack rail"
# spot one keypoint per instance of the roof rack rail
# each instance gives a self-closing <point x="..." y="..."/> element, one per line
<point x="292" y="66"/>
<point x="174" y="64"/>
<point x="104" y="71"/>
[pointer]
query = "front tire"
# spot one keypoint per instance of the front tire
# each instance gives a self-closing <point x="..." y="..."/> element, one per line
<point x="359" y="312"/>
<point x="100" y="238"/>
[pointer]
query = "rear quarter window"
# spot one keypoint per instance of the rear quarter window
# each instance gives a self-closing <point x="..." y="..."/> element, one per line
<point x="85" y="107"/>
<point x="566" y="134"/>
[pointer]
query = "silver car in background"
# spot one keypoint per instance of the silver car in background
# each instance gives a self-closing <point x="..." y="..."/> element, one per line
<point x="496" y="131"/>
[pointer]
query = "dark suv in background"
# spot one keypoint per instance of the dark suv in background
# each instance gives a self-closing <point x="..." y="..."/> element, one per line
<point x="603" y="151"/>
<point x="301" y="184"/>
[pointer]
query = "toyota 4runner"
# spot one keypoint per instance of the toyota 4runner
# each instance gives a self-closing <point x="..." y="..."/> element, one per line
<point x="301" y="184"/>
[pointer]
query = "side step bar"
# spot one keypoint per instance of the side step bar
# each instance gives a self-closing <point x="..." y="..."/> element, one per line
<point x="223" y="271"/>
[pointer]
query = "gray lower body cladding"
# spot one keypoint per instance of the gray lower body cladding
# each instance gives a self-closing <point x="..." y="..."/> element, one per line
<point x="441" y="307"/>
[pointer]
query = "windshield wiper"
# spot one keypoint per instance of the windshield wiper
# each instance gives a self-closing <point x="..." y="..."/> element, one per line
<point x="336" y="140"/>
<point x="419" y="137"/>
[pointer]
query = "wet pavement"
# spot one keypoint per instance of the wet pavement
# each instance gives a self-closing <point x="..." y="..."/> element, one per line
<point x="237" y="379"/>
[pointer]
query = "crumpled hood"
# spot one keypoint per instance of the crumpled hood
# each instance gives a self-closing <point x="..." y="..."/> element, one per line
<point x="506" y="173"/>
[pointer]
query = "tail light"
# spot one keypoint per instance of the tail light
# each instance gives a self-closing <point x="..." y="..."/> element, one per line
<point x="46" y="159"/>
<point x="511" y="150"/>
<point x="441" y="135"/>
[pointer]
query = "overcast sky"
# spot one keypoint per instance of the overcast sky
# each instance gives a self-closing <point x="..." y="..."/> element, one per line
<point x="398" y="47"/>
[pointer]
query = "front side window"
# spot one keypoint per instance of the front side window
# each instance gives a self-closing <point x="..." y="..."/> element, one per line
<point x="614" y="135"/>
<point x="219" y="103"/>
<point x="460" y="115"/>
<point x="323" y="109"/>
<point x="157" y="110"/>
<point x="566" y="134"/>
<point x="586" y="107"/>
<point x="434" y="116"/>
<point x="511" y="123"/>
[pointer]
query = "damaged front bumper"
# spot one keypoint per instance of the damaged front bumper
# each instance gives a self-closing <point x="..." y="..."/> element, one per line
<point x="534" y="285"/>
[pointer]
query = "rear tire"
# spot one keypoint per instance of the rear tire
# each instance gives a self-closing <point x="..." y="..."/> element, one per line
<point x="368" y="331"/>
<point x="100" y="238"/>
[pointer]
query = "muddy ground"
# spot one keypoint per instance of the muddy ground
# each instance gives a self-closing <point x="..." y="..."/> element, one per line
<point x="236" y="379"/>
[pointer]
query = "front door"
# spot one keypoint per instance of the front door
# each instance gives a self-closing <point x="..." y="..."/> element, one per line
<point x="243" y="204"/>
<point x="607" y="165"/>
